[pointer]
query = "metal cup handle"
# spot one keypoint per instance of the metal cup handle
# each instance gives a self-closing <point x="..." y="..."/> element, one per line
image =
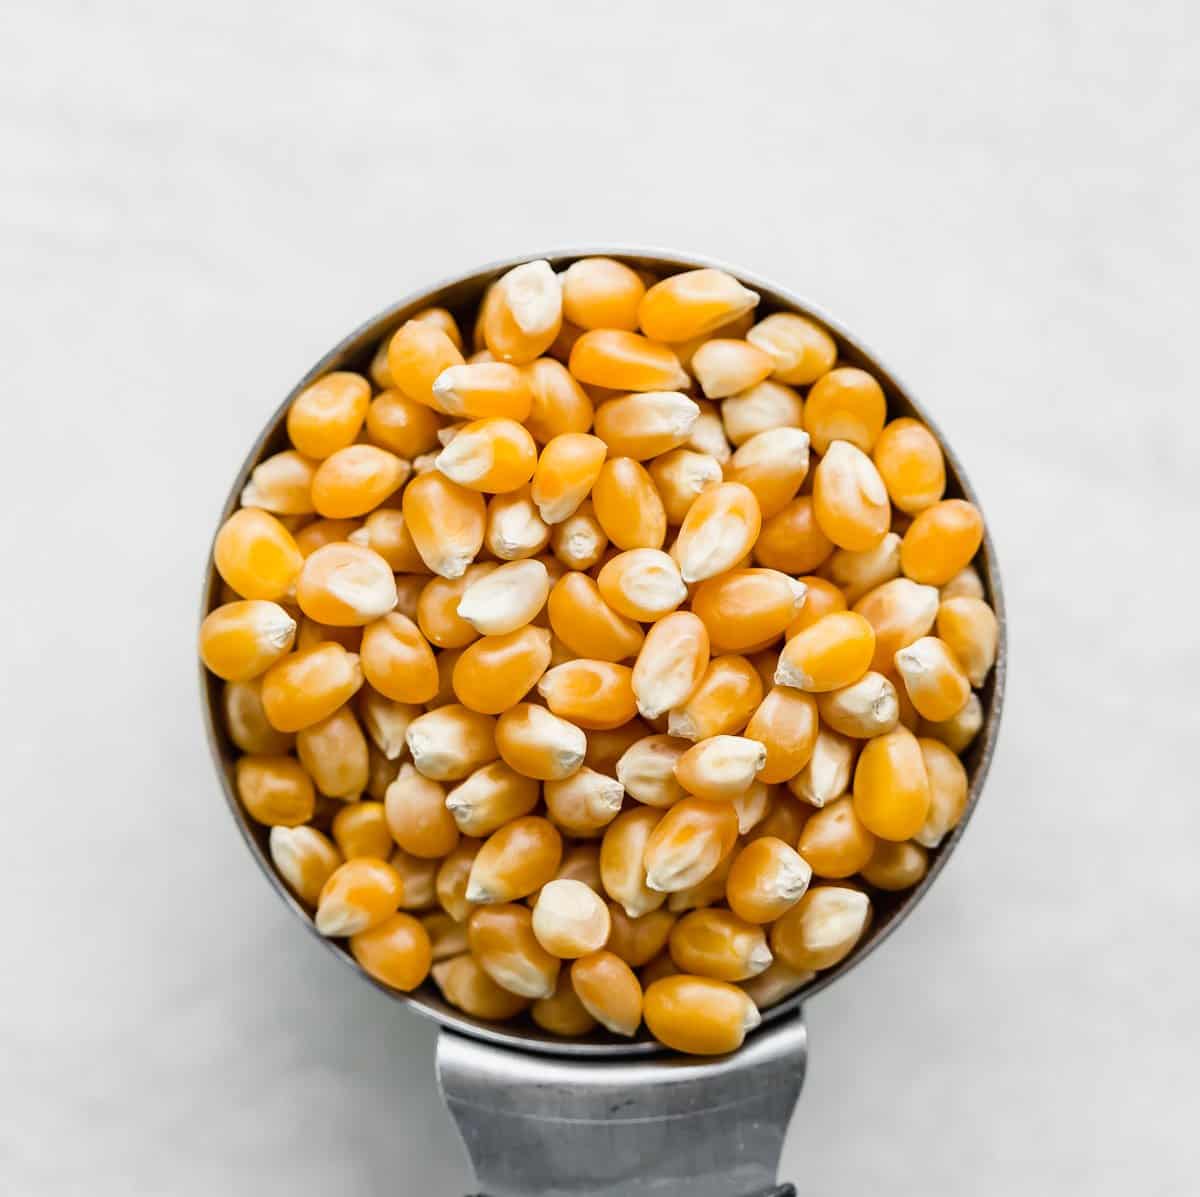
<point x="545" y="1126"/>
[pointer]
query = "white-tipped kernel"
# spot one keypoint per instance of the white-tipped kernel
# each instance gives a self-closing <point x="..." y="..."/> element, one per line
<point x="835" y="917"/>
<point x="775" y="983"/>
<point x="654" y="584"/>
<point x="514" y="528"/>
<point x="387" y="722"/>
<point x="708" y="435"/>
<point x="278" y="628"/>
<point x="684" y="867"/>
<point x="850" y="477"/>
<point x="294" y="850"/>
<point x="855" y="574"/>
<point x="827" y="774"/>
<point x="336" y="917"/>
<point x="759" y="960"/>
<point x="721" y="766"/>
<point x="363" y="581"/>
<point x="868" y="707"/>
<point x="467" y="458"/>
<point x="507" y="598"/>
<point x="647" y="770"/>
<point x="752" y="1018"/>
<point x="788" y="674"/>
<point x="752" y="806"/>
<point x="584" y="802"/>
<point x="570" y="919"/>
<point x="534" y="296"/>
<point x="448" y="432"/>
<point x="672" y="414"/>
<point x="708" y="550"/>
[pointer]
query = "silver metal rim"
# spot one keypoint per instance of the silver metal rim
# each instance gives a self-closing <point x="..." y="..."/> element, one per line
<point x="453" y="292"/>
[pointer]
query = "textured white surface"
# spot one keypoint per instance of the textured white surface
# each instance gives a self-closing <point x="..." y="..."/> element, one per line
<point x="199" y="198"/>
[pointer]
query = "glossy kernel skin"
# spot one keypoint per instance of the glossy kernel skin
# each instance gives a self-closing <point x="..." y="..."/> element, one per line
<point x="562" y="1013"/>
<point x="566" y="473"/>
<point x="891" y="786"/>
<point x="282" y="484"/>
<point x="645" y="424"/>
<point x="834" y="841"/>
<point x="693" y="303"/>
<point x="417" y="353"/>
<point x="949" y="792"/>
<point x="638" y="941"/>
<point x="559" y="404"/>
<point x="724" y="366"/>
<point x="896" y="867"/>
<point x="356" y="479"/>
<point x="785" y="723"/>
<point x="900" y="611"/>
<point x="515" y="861"/>
<point x="589" y="693"/>
<point x="621" y="855"/>
<point x="522" y="313"/>
<point x="800" y="349"/>
<point x="602" y="293"/>
<point x="334" y="752"/>
<point x="688" y="843"/>
<point x="671" y="663"/>
<point x="773" y="465"/>
<point x="305" y="858"/>
<point x="847" y="405"/>
<point x="625" y="361"/>
<point x="538" y="744"/>
<point x="402" y="425"/>
<point x="501" y="939"/>
<point x="481" y="390"/>
<point x="396" y="952"/>
<point x="496" y="672"/>
<point x="464" y="984"/>
<point x="327" y="414"/>
<point x="935" y="681"/>
<point x="275" y="790"/>
<point x="397" y="660"/>
<point x="494" y="794"/>
<point x="941" y="541"/>
<point x="494" y="456"/>
<point x="345" y="585"/>
<point x="718" y="531"/>
<point x="969" y="629"/>
<point x="792" y="540"/>
<point x="911" y="464"/>
<point x="242" y="640"/>
<point x="628" y="506"/>
<point x="609" y="990"/>
<point x="699" y="1015"/>
<point x="822" y="928"/>
<point x="850" y="502"/>
<point x="257" y="555"/>
<point x="247" y="722"/>
<point x="766" y="879"/>
<point x="359" y="895"/>
<point x="717" y="943"/>
<point x="415" y="809"/>
<point x="446" y="521"/>
<point x="743" y="609"/>
<point x="308" y="686"/>
<point x="722" y="702"/>
<point x="833" y="652"/>
<point x="587" y="625"/>
<point x="642" y="584"/>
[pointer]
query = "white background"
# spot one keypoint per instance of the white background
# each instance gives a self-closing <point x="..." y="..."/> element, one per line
<point x="199" y="198"/>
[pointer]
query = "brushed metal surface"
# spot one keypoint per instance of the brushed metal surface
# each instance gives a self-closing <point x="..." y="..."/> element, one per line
<point x="460" y="294"/>
<point x="667" y="1126"/>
